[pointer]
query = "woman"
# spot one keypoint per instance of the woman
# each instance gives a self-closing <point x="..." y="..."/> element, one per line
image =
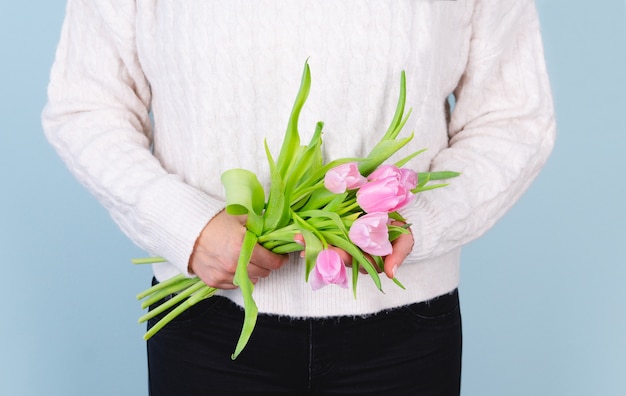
<point x="219" y="77"/>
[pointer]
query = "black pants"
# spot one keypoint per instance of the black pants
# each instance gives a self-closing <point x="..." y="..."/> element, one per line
<point x="413" y="350"/>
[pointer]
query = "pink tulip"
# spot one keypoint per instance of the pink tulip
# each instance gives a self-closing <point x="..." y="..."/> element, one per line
<point x="370" y="233"/>
<point x="343" y="177"/>
<point x="406" y="176"/>
<point x="386" y="195"/>
<point x="329" y="268"/>
<point x="388" y="190"/>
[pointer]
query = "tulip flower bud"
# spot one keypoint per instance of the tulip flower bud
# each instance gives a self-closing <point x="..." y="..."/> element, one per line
<point x="388" y="190"/>
<point x="370" y="233"/>
<point x="343" y="177"/>
<point x="329" y="268"/>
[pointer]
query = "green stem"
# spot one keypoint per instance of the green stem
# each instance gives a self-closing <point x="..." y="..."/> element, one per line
<point x="303" y="190"/>
<point x="312" y="229"/>
<point x="348" y="209"/>
<point x="282" y="234"/>
<point x="173" y="301"/>
<point x="148" y="260"/>
<point x="160" y="286"/>
<point x="288" y="248"/>
<point x="203" y="294"/>
<point x="172" y="289"/>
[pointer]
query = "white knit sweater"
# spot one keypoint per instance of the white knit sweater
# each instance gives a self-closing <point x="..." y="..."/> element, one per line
<point x="221" y="76"/>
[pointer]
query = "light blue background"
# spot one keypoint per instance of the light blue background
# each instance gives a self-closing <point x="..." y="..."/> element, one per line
<point x="543" y="293"/>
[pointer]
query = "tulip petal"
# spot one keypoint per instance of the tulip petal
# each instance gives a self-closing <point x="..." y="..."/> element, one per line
<point x="316" y="280"/>
<point x="370" y="233"/>
<point x="329" y="268"/>
<point x="334" y="182"/>
<point x="343" y="177"/>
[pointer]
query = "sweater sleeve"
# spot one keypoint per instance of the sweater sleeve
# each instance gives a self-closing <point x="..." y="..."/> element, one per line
<point x="97" y="119"/>
<point x="501" y="131"/>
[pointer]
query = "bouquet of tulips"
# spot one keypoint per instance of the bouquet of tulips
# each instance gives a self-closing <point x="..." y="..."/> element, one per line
<point x="349" y="203"/>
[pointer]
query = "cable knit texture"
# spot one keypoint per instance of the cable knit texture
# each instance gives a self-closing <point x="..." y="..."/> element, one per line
<point x="219" y="77"/>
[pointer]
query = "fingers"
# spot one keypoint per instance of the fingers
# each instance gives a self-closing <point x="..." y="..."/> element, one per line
<point x="260" y="266"/>
<point x="212" y="274"/>
<point x="402" y="247"/>
<point x="215" y="256"/>
<point x="299" y="238"/>
<point x="217" y="250"/>
<point x="256" y="272"/>
<point x="263" y="258"/>
<point x="221" y="274"/>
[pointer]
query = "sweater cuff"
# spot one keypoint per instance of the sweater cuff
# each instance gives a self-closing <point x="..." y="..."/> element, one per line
<point x="422" y="226"/>
<point x="173" y="215"/>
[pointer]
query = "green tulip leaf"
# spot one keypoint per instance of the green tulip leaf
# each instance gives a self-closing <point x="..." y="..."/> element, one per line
<point x="242" y="279"/>
<point x="443" y="175"/>
<point x="291" y="142"/>
<point x="277" y="210"/>
<point x="245" y="196"/>
<point x="312" y="242"/>
<point x="381" y="153"/>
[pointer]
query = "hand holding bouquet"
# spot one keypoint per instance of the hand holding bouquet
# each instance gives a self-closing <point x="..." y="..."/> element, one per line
<point x="348" y="203"/>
